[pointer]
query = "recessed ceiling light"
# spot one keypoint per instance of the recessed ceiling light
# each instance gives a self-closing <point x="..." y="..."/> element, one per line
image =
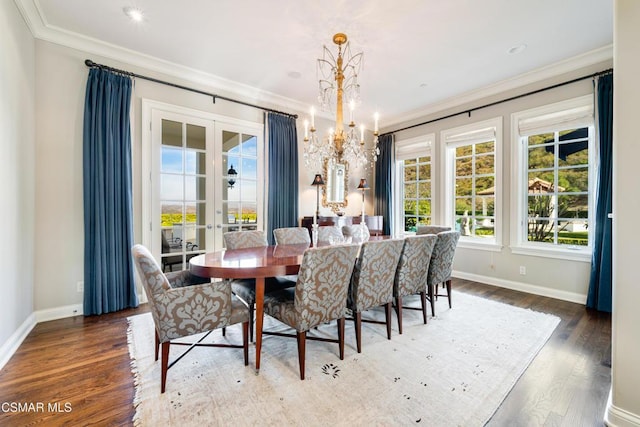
<point x="423" y="85"/>
<point x="294" y="74"/>
<point x="514" y="50"/>
<point x="133" y="13"/>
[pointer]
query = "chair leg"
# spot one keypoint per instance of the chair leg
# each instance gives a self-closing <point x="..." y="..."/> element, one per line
<point x="224" y="332"/>
<point x="449" y="291"/>
<point x="431" y="299"/>
<point x="157" y="344"/>
<point x="399" y="312"/>
<point x="164" y="365"/>
<point x="423" y="301"/>
<point x="245" y="342"/>
<point x="251" y="322"/>
<point x="357" y="320"/>
<point x="301" y="351"/>
<point x="341" y="337"/>
<point x="387" y="316"/>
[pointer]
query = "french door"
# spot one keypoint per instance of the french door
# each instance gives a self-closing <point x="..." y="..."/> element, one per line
<point x="204" y="175"/>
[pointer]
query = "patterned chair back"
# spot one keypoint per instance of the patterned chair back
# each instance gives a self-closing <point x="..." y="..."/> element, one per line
<point x="374" y="274"/>
<point x="413" y="267"/>
<point x="323" y="282"/>
<point x="169" y="306"/>
<point x="291" y="236"/>
<point x="245" y="239"/>
<point x="442" y="257"/>
<point x="328" y="232"/>
<point x="431" y="229"/>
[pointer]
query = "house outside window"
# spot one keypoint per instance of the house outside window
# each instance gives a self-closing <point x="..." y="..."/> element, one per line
<point x="473" y="186"/>
<point x="554" y="154"/>
<point x="414" y="183"/>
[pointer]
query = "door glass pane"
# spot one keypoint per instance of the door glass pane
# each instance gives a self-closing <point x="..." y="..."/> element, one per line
<point x="249" y="145"/>
<point x="171" y="160"/>
<point x="195" y="162"/>
<point x="195" y="188"/>
<point x="171" y="133"/>
<point x="171" y="187"/>
<point x="196" y="137"/>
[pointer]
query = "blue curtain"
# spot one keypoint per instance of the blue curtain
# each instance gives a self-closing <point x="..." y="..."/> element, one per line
<point x="600" y="283"/>
<point x="283" y="173"/>
<point x="108" y="230"/>
<point x="384" y="182"/>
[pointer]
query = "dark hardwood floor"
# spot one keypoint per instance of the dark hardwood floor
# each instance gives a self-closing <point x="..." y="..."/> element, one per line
<point x="82" y="366"/>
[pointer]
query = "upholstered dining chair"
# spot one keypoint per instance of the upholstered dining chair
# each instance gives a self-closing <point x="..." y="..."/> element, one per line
<point x="441" y="264"/>
<point x="431" y="229"/>
<point x="328" y="233"/>
<point x="411" y="275"/>
<point x="320" y="296"/>
<point x="372" y="282"/>
<point x="245" y="289"/>
<point x="358" y="232"/>
<point x="291" y="236"/>
<point x="181" y="309"/>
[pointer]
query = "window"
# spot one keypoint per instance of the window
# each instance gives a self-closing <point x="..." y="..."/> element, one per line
<point x="413" y="168"/>
<point x="473" y="186"/>
<point x="553" y="179"/>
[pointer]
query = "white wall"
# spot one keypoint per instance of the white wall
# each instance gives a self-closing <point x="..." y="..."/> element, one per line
<point x="557" y="278"/>
<point x="17" y="138"/>
<point x="624" y="405"/>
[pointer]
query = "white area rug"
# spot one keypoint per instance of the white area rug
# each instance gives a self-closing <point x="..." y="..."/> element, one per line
<point x="454" y="371"/>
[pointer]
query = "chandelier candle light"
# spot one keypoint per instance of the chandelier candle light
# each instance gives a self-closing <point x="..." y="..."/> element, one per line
<point x="339" y="75"/>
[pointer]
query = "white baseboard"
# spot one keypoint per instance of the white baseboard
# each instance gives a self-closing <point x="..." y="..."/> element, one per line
<point x="58" y="313"/>
<point x="523" y="287"/>
<point x="617" y="417"/>
<point x="13" y="343"/>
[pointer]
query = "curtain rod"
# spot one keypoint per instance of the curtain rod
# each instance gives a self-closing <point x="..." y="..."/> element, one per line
<point x="469" y="111"/>
<point x="89" y="63"/>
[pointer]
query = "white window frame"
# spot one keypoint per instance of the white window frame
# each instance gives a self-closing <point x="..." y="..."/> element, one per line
<point x="408" y="149"/>
<point x="575" y="112"/>
<point x="474" y="133"/>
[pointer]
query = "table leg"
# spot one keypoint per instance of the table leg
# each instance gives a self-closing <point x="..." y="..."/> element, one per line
<point x="259" y="318"/>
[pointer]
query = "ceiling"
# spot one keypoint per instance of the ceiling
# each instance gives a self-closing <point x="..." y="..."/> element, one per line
<point x="419" y="55"/>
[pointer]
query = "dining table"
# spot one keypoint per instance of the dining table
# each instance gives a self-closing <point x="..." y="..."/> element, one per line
<point x="256" y="263"/>
<point x="251" y="263"/>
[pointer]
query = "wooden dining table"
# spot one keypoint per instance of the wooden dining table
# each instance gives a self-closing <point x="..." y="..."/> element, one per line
<point x="251" y="263"/>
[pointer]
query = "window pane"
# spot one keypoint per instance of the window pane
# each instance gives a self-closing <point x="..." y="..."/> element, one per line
<point x="249" y="168"/>
<point x="576" y="206"/>
<point x="463" y="205"/>
<point x="464" y="167"/>
<point x="426" y="159"/>
<point x="195" y="162"/>
<point x="541" y="230"/>
<point x="485" y="147"/>
<point x="573" y="153"/>
<point x="410" y="173"/>
<point x="410" y="223"/>
<point x="248" y="193"/>
<point x="231" y="212"/>
<point x="196" y="213"/>
<point x="230" y="142"/>
<point x="171" y="187"/>
<point x="410" y="207"/>
<point x="541" y="182"/>
<point x="411" y="191"/>
<point x="540" y="139"/>
<point x="540" y="158"/>
<point x="170" y="214"/>
<point x="424" y="171"/>
<point x="576" y="180"/>
<point x="249" y="213"/>
<point x="230" y="193"/>
<point x="424" y="189"/>
<point x="249" y="145"/>
<point x="171" y="133"/>
<point x="464" y="150"/>
<point x="424" y="207"/>
<point x="424" y="220"/>
<point x="463" y="187"/>
<point x="485" y="164"/>
<point x="485" y="186"/>
<point x="171" y="160"/>
<point x="196" y="137"/>
<point x="195" y="188"/>
<point x="573" y="232"/>
<point x="540" y="206"/>
<point x="485" y="206"/>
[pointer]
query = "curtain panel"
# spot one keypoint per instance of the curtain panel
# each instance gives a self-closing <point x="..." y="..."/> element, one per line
<point x="282" y="201"/>
<point x="385" y="167"/>
<point x="600" y="281"/>
<point x="109" y="283"/>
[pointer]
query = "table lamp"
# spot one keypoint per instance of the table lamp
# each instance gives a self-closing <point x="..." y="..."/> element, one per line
<point x="363" y="186"/>
<point x="317" y="182"/>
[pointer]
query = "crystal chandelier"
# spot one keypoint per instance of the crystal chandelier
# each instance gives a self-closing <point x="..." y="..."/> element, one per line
<point x="338" y="79"/>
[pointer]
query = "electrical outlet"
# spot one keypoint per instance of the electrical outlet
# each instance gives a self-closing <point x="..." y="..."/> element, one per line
<point x="523" y="270"/>
<point x="80" y="286"/>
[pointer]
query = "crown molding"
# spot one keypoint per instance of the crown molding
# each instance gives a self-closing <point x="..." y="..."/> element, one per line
<point x="40" y="29"/>
<point x="565" y="66"/>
